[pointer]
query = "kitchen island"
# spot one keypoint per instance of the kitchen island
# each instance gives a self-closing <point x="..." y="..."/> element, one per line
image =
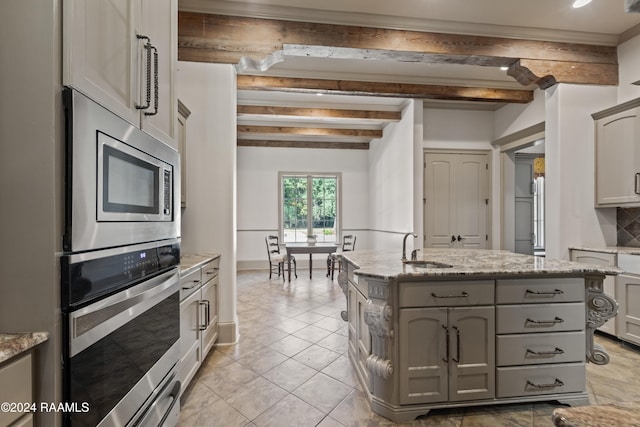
<point x="462" y="327"/>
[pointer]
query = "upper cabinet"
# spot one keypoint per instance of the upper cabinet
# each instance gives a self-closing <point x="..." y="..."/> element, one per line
<point x="123" y="55"/>
<point x="618" y="155"/>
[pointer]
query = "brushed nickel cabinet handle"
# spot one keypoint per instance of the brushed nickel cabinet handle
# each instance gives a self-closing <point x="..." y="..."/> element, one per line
<point x="462" y="295"/>
<point x="556" y="383"/>
<point x="147" y="48"/>
<point x="545" y="293"/>
<point x="457" y="358"/>
<point x="637" y="183"/>
<point x="546" y="353"/>
<point x="156" y="86"/>
<point x="446" y="358"/>
<point x="541" y="322"/>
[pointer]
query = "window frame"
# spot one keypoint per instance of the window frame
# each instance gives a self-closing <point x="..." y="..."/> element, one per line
<point x="310" y="176"/>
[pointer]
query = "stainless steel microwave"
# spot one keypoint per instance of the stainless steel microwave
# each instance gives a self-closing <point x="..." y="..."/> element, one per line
<point x="122" y="185"/>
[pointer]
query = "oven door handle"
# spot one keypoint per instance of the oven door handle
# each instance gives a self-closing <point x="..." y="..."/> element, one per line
<point x="94" y="322"/>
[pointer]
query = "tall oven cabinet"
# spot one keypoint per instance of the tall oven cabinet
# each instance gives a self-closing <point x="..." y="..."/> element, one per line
<point x="123" y="55"/>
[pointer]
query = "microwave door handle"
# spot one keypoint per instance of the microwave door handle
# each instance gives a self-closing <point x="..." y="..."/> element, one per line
<point x="147" y="47"/>
<point x="156" y="86"/>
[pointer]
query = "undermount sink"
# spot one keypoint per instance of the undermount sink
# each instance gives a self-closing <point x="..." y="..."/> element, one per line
<point x="427" y="264"/>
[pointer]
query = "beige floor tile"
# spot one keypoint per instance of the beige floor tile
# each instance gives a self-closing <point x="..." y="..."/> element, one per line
<point x="289" y="325"/>
<point x="228" y="379"/>
<point x="316" y="357"/>
<point x="354" y="411"/>
<point x="329" y="422"/>
<point x="262" y="360"/>
<point x="255" y="397"/>
<point x="335" y="342"/>
<point x="290" y="345"/>
<point x="290" y="411"/>
<point x="310" y="317"/>
<point x="323" y="392"/>
<point x="329" y="323"/>
<point x="342" y="370"/>
<point x="290" y="374"/>
<point x="312" y="333"/>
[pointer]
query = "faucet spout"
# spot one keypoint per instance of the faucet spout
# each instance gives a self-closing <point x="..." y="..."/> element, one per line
<point x="404" y="245"/>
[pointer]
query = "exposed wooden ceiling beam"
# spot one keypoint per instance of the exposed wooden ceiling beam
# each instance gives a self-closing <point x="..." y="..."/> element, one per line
<point x="226" y="39"/>
<point x="324" y="132"/>
<point x="304" y="144"/>
<point x="397" y="90"/>
<point x="329" y="113"/>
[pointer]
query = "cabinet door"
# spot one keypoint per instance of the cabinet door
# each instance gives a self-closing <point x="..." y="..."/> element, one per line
<point x="100" y="53"/>
<point x="618" y="159"/>
<point x="628" y="293"/>
<point x="159" y="23"/>
<point x="209" y="313"/>
<point x="190" y="350"/>
<point x="364" y="339"/>
<point x="471" y="353"/>
<point x="423" y="359"/>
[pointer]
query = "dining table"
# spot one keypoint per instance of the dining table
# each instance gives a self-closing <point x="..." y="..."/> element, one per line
<point x="308" y="248"/>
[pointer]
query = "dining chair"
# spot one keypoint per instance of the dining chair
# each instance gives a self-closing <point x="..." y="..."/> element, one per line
<point x="348" y="244"/>
<point x="278" y="261"/>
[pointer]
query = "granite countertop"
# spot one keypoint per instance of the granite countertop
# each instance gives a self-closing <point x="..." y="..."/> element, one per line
<point x="189" y="262"/>
<point x="628" y="250"/>
<point x="466" y="262"/>
<point x="14" y="344"/>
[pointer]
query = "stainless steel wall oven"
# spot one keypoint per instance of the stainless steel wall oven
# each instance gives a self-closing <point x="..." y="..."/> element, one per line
<point x="120" y="287"/>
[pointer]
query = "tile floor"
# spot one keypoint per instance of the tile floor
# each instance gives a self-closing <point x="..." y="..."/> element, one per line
<point x="290" y="368"/>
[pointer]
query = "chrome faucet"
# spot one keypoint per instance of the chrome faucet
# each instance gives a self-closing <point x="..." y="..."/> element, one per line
<point x="404" y="245"/>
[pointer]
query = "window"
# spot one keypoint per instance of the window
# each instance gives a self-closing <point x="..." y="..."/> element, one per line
<point x="309" y="206"/>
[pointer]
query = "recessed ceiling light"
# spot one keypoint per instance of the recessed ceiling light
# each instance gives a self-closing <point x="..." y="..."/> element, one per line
<point x="580" y="3"/>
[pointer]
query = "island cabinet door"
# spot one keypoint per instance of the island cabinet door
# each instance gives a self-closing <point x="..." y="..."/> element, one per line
<point x="471" y="353"/>
<point x="423" y="363"/>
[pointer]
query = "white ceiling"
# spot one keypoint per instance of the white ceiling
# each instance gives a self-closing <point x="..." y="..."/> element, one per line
<point x="603" y="22"/>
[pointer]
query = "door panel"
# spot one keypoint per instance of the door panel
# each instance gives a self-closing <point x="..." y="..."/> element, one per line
<point x="456" y="200"/>
<point x="524" y="195"/>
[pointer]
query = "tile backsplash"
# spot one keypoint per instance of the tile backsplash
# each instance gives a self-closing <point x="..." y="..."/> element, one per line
<point x="628" y="226"/>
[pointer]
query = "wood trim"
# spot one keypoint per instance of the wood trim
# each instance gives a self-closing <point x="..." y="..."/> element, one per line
<point x="228" y="39"/>
<point x="397" y="90"/>
<point x="334" y="113"/>
<point x="304" y="144"/>
<point x="326" y="132"/>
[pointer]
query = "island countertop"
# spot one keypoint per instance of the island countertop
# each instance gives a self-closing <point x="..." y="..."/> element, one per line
<point x="466" y="262"/>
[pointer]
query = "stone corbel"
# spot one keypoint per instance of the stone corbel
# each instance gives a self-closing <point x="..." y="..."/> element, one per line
<point x="377" y="315"/>
<point x="600" y="308"/>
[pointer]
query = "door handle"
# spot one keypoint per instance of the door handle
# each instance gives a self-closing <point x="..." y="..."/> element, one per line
<point x="461" y="238"/>
<point x="156" y="85"/>
<point x="453" y="238"/>
<point x="446" y="330"/>
<point x="457" y="358"/>
<point x="147" y="46"/>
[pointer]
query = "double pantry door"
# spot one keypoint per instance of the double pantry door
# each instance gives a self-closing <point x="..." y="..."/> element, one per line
<point x="456" y="199"/>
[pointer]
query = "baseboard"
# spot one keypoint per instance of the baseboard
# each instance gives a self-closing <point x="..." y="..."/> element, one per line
<point x="227" y="333"/>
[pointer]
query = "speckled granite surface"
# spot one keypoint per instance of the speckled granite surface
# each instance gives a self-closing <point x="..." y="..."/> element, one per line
<point x="189" y="262"/>
<point x="466" y="262"/>
<point x="14" y="344"/>
<point x="614" y="414"/>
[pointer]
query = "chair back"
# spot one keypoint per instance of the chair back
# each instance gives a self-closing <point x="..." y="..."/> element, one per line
<point x="273" y="245"/>
<point x="348" y="243"/>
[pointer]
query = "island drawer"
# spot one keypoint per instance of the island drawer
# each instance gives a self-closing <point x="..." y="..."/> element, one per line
<point x="541" y="379"/>
<point x="535" y="349"/>
<point x="530" y="318"/>
<point x="534" y="291"/>
<point x="210" y="269"/>
<point x="189" y="283"/>
<point x="450" y="294"/>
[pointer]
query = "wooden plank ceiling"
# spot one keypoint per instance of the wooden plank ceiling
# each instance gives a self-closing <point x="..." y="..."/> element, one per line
<point x="254" y="45"/>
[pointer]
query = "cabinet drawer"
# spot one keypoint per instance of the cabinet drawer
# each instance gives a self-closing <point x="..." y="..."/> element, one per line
<point x="189" y="283"/>
<point x="533" y="291"/>
<point x="16" y="379"/>
<point x="516" y="319"/>
<point x="210" y="270"/>
<point x="541" y="379"/>
<point x="535" y="349"/>
<point x="450" y="294"/>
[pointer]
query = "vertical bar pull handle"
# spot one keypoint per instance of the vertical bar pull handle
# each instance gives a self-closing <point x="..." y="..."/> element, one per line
<point x="457" y="358"/>
<point x="155" y="81"/>
<point x="446" y="330"/>
<point x="637" y="184"/>
<point x="147" y="48"/>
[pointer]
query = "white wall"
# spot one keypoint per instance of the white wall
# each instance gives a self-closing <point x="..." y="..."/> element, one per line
<point x="515" y="117"/>
<point x="629" y="69"/>
<point x="209" y="220"/>
<point x="258" y="191"/>
<point x="571" y="219"/>
<point x="392" y="183"/>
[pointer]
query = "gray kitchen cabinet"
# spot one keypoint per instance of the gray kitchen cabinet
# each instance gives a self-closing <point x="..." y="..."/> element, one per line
<point x="105" y="58"/>
<point x="628" y="297"/>
<point x="16" y="375"/>
<point x="198" y="316"/>
<point x="618" y="155"/>
<point x="446" y="354"/>
<point x="540" y="326"/>
<point x="609" y="285"/>
<point x="359" y="336"/>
